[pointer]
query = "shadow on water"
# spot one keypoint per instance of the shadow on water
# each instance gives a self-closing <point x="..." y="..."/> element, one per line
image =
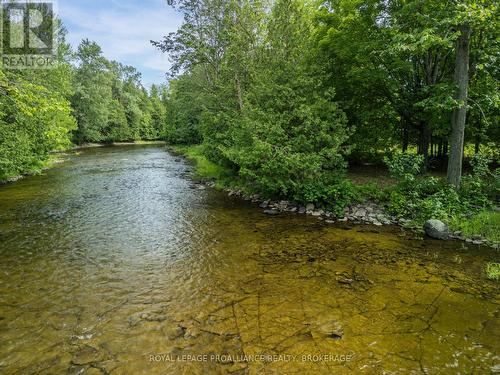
<point x="112" y="264"/>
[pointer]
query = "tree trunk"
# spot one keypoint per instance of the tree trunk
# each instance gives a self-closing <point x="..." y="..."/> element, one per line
<point x="461" y="80"/>
<point x="477" y="146"/>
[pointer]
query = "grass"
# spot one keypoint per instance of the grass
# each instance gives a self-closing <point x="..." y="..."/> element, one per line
<point x="493" y="271"/>
<point x="205" y="169"/>
<point x="486" y="224"/>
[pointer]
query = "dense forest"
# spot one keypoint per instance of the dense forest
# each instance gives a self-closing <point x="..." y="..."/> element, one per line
<point x="85" y="98"/>
<point x="282" y="97"/>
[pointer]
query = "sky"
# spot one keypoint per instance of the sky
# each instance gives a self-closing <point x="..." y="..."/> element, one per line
<point x="123" y="29"/>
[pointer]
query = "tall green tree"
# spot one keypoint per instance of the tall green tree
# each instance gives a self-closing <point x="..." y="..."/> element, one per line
<point x="35" y="114"/>
<point x="92" y="98"/>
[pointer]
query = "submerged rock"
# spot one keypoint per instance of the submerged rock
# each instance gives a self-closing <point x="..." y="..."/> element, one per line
<point x="436" y="229"/>
<point x="271" y="212"/>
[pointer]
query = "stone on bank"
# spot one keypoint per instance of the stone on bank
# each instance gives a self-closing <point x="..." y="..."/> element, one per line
<point x="436" y="229"/>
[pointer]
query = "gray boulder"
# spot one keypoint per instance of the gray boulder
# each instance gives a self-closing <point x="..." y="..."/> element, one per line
<point x="272" y="212"/>
<point x="436" y="229"/>
<point x="264" y="204"/>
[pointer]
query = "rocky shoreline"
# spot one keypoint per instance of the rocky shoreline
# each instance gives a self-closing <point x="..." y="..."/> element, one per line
<point x="368" y="213"/>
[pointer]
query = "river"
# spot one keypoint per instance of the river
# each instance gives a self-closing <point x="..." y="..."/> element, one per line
<point x="113" y="263"/>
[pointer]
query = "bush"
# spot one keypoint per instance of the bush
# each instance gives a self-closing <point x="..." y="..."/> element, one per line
<point x="405" y="166"/>
<point x="426" y="198"/>
<point x="480" y="165"/>
<point x="421" y="199"/>
<point x="373" y="191"/>
<point x="481" y="187"/>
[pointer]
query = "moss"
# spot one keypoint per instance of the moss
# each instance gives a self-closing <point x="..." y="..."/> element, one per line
<point x="486" y="224"/>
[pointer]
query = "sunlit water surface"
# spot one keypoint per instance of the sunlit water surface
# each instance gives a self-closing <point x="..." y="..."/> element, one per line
<point x="112" y="259"/>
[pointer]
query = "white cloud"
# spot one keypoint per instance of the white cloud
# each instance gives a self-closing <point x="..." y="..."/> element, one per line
<point x="158" y="61"/>
<point x="123" y="29"/>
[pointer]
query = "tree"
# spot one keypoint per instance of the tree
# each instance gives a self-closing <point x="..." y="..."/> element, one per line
<point x="35" y="114"/>
<point x="459" y="114"/>
<point x="93" y="95"/>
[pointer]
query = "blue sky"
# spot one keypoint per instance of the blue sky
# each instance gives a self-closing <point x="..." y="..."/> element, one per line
<point x="123" y="28"/>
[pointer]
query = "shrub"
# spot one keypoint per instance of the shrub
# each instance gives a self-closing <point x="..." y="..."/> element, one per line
<point x="373" y="191"/>
<point x="404" y="166"/>
<point x="480" y="165"/>
<point x="480" y="188"/>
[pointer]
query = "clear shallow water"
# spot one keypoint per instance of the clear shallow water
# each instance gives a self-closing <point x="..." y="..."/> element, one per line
<point x="111" y="259"/>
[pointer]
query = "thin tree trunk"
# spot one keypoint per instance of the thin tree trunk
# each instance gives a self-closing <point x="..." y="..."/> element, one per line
<point x="461" y="80"/>
<point x="477" y="146"/>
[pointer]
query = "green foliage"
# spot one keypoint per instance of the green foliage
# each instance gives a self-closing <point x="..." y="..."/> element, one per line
<point x="35" y="119"/>
<point x="372" y="191"/>
<point x="205" y="169"/>
<point x="391" y="62"/>
<point x="405" y="166"/>
<point x="493" y="271"/>
<point x="480" y="188"/>
<point x="183" y="111"/>
<point x="251" y="94"/>
<point x="426" y="198"/>
<point x="431" y="198"/>
<point x="338" y="196"/>
<point x="486" y="223"/>
<point x="97" y="101"/>
<point x="480" y="165"/>
<point x="110" y="103"/>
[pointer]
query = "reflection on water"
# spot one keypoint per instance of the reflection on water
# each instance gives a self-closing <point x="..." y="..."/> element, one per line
<point x="112" y="264"/>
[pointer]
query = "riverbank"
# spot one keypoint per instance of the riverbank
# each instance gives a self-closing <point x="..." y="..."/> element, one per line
<point x="92" y="145"/>
<point x="33" y="170"/>
<point x="55" y="158"/>
<point x="369" y="207"/>
<point x="114" y="254"/>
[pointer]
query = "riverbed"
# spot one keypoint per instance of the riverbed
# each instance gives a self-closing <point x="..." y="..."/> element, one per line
<point x="113" y="262"/>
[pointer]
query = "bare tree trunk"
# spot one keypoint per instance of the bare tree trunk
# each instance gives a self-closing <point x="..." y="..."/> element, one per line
<point x="461" y="80"/>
